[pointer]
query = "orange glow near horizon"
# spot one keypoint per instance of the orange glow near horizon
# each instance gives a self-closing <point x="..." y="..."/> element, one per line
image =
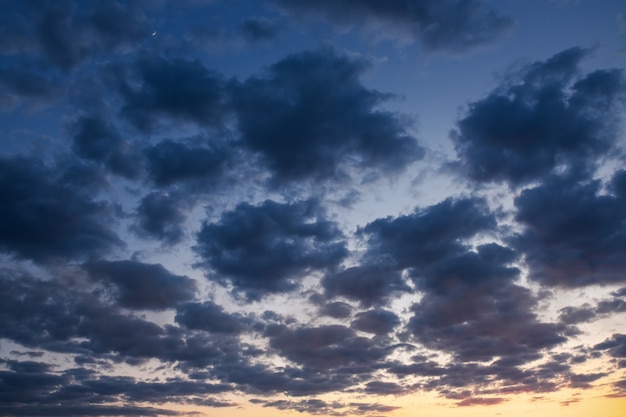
<point x="566" y="403"/>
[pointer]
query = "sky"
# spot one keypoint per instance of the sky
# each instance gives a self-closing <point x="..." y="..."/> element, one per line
<point x="312" y="208"/>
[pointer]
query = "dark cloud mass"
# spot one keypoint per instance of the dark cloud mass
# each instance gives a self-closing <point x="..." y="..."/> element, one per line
<point x="35" y="390"/>
<point x="615" y="346"/>
<point x="268" y="248"/>
<point x="379" y="322"/>
<point x="208" y="316"/>
<point x="160" y="216"/>
<point x="170" y="162"/>
<point x="427" y="235"/>
<point x="42" y="219"/>
<point x="97" y="140"/>
<point x="337" y="309"/>
<point x="328" y="347"/>
<point x="483" y="324"/>
<point x="260" y="29"/>
<point x="574" y="235"/>
<point x="143" y="286"/>
<point x="67" y="33"/>
<point x="368" y="284"/>
<point x="548" y="117"/>
<point x="27" y="84"/>
<point x="439" y="25"/>
<point x="177" y="89"/>
<point x="469" y="295"/>
<point x="319" y="121"/>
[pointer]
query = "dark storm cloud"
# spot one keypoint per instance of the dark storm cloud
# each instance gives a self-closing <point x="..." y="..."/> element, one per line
<point x="259" y="379"/>
<point x="485" y="268"/>
<point x="589" y="313"/>
<point x="59" y="317"/>
<point x="541" y="119"/>
<point x="474" y="324"/>
<point x="27" y="84"/>
<point x="58" y="35"/>
<point x="337" y="309"/>
<point x="97" y="140"/>
<point x="268" y="248"/>
<point x="379" y="321"/>
<point x="615" y="346"/>
<point x="368" y="408"/>
<point x="618" y="185"/>
<point x="573" y="315"/>
<point x="42" y="219"/>
<point x="385" y="388"/>
<point x="83" y="176"/>
<point x="187" y="168"/>
<point x="210" y="317"/>
<point x="312" y="406"/>
<point x="439" y="25"/>
<point x="319" y="121"/>
<point x="319" y="407"/>
<point x="328" y="347"/>
<point x="615" y="305"/>
<point x="143" y="286"/>
<point x="620" y="386"/>
<point x="427" y="235"/>
<point x="260" y="29"/>
<point x="131" y="389"/>
<point x="470" y="306"/>
<point x="505" y="376"/>
<point x="51" y="315"/>
<point x="368" y="284"/>
<point x="160" y="216"/>
<point x="584" y="380"/>
<point x="33" y="389"/>
<point x="54" y="410"/>
<point x="468" y="402"/>
<point x="574" y="235"/>
<point x="118" y="24"/>
<point x="65" y="33"/>
<point x="170" y="162"/>
<point x="27" y="318"/>
<point x="110" y="333"/>
<point x="178" y="89"/>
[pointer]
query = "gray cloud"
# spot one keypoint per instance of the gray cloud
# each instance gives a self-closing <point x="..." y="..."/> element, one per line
<point x="42" y="219"/>
<point x="267" y="248"/>
<point x="319" y="121"/>
<point x="260" y="29"/>
<point x="175" y="89"/>
<point x="573" y="235"/>
<point x="171" y="162"/>
<point x="95" y="139"/>
<point x="160" y="215"/>
<point x="210" y="317"/>
<point x="368" y="284"/>
<point x="378" y="321"/>
<point x="544" y="118"/>
<point x="65" y="34"/>
<point x="143" y="286"/>
<point x="444" y="25"/>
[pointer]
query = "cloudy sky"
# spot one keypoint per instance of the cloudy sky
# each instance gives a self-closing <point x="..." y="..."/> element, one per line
<point x="312" y="207"/>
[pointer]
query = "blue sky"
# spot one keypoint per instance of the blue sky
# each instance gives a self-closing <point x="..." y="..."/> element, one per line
<point x="338" y="208"/>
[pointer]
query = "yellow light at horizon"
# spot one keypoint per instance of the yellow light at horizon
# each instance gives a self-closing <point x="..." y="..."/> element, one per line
<point x="565" y="403"/>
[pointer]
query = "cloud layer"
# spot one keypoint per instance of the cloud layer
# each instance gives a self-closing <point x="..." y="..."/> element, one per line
<point x="184" y="218"/>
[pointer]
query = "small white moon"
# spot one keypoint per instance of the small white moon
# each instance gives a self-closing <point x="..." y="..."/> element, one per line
<point x="154" y="33"/>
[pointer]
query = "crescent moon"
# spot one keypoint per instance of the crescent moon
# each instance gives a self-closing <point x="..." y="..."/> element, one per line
<point x="154" y="33"/>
